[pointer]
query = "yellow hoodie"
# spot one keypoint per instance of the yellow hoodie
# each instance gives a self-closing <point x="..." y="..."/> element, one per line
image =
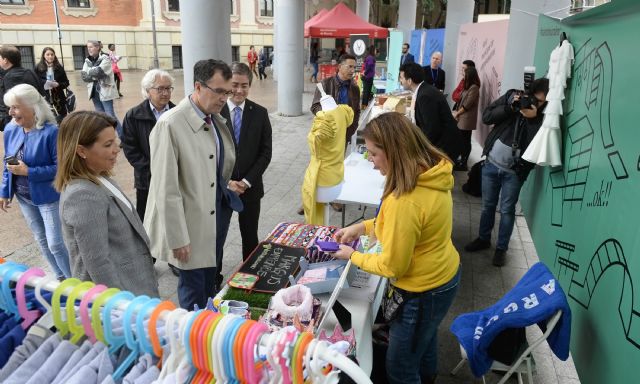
<point x="326" y="167"/>
<point x="415" y="232"/>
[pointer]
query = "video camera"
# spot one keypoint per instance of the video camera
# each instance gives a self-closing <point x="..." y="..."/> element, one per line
<point x="526" y="100"/>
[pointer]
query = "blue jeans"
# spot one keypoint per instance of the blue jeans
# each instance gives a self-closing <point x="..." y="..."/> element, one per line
<point x="413" y="346"/>
<point x="195" y="286"/>
<point x="107" y="107"/>
<point x="44" y="222"/>
<point x="498" y="183"/>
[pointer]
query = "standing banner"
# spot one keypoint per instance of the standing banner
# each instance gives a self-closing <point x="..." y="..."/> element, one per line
<point x="393" y="62"/>
<point x="416" y="46"/>
<point x="434" y="42"/>
<point x="359" y="48"/>
<point x="484" y="43"/>
<point x="583" y="216"/>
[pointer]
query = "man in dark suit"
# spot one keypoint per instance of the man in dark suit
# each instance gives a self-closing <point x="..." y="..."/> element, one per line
<point x="433" y="74"/>
<point x="406" y="56"/>
<point x="431" y="111"/>
<point x="251" y="130"/>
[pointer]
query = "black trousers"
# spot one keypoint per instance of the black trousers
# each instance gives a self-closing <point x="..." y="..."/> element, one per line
<point x="248" y="220"/>
<point x="141" y="202"/>
<point x="366" y="90"/>
<point x="465" y="145"/>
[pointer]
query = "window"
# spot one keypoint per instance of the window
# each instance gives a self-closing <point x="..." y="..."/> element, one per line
<point x="235" y="53"/>
<point x="12" y="2"/>
<point x="78" y="4"/>
<point x="267" y="51"/>
<point x="173" y="6"/>
<point x="176" y="55"/>
<point x="266" y="8"/>
<point x="26" y="52"/>
<point x="79" y="54"/>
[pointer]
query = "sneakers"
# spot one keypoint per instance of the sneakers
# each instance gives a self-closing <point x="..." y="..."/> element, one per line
<point x="499" y="257"/>
<point x="477" y="245"/>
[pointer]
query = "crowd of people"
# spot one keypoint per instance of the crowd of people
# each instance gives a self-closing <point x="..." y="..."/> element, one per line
<point x="58" y="168"/>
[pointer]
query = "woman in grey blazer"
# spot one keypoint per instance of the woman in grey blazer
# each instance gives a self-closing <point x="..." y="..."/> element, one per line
<point x="105" y="237"/>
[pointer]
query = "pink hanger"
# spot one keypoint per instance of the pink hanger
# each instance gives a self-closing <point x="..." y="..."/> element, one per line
<point x="28" y="316"/>
<point x="84" y="310"/>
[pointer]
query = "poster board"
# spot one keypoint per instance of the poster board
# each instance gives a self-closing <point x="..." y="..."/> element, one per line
<point x="434" y="41"/>
<point x="393" y="63"/>
<point x="584" y="216"/>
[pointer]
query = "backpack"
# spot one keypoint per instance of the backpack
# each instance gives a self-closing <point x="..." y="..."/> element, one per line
<point x="473" y="186"/>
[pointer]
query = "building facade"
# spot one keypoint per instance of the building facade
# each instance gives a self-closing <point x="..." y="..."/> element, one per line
<point x="31" y="25"/>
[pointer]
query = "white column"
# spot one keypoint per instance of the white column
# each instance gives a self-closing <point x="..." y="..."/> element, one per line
<point x="407" y="18"/>
<point x="206" y="34"/>
<point x="362" y="9"/>
<point x="289" y="53"/>
<point x="458" y="12"/>
<point x="521" y="40"/>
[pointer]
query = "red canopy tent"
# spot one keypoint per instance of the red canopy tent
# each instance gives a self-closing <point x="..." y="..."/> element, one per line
<point x="340" y="22"/>
<point x="312" y="20"/>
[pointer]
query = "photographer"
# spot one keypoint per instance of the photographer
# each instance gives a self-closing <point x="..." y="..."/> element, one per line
<point x="516" y="117"/>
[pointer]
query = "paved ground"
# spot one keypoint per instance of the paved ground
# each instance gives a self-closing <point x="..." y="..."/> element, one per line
<point x="481" y="286"/>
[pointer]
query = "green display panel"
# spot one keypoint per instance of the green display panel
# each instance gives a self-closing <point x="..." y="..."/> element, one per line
<point x="584" y="217"/>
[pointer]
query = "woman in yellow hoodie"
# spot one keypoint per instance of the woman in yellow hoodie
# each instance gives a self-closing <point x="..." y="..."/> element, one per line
<point x="413" y="225"/>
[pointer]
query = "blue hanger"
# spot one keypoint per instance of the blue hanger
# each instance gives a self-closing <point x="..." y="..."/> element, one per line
<point x="114" y="342"/>
<point x="187" y="333"/>
<point x="147" y="308"/>
<point x="130" y="339"/>
<point x="7" y="272"/>
<point x="3" y="267"/>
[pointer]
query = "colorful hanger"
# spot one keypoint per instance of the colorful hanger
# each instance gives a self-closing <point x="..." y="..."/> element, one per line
<point x="194" y="337"/>
<point x="130" y="340"/>
<point x="46" y="320"/>
<point x="28" y="317"/>
<point x="85" y="319"/>
<point x="114" y="342"/>
<point x="250" y="349"/>
<point x="61" y="325"/>
<point x="208" y="343"/>
<point x="96" y="322"/>
<point x="171" y="332"/>
<point x="216" y="342"/>
<point x="237" y="349"/>
<point x="8" y="271"/>
<point x="76" y="330"/>
<point x="153" y="326"/>
<point x="147" y="308"/>
<point x="227" y="348"/>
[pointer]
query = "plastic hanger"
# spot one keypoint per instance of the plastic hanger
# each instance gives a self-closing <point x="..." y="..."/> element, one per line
<point x="76" y="330"/>
<point x="194" y="337"/>
<point x="237" y="349"/>
<point x="130" y="340"/>
<point x="114" y="342"/>
<point x="183" y="337"/>
<point x="28" y="317"/>
<point x="175" y="347"/>
<point x="250" y="351"/>
<point x="227" y="348"/>
<point x="216" y="341"/>
<point x="85" y="319"/>
<point x="7" y="272"/>
<point x="96" y="322"/>
<point x="307" y="360"/>
<point x="147" y="308"/>
<point x="46" y="320"/>
<point x="153" y="326"/>
<point x="61" y="325"/>
<point x="208" y="343"/>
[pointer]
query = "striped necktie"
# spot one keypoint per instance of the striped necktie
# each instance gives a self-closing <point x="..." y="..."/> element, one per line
<point x="237" y="123"/>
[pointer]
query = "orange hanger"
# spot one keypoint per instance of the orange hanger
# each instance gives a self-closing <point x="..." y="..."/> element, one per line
<point x="153" y="326"/>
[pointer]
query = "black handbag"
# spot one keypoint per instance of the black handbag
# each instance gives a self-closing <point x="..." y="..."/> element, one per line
<point x="71" y="101"/>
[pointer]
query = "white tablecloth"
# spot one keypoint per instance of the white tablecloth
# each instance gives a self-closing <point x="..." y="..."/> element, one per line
<point x="362" y="184"/>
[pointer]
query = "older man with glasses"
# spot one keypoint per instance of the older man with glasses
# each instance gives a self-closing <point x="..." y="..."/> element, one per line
<point x="192" y="158"/>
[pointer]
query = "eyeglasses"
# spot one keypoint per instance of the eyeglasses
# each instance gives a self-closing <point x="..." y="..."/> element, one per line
<point x="162" y="89"/>
<point x="217" y="91"/>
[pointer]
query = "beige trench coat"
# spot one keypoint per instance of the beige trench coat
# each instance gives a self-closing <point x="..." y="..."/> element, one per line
<point x="182" y="193"/>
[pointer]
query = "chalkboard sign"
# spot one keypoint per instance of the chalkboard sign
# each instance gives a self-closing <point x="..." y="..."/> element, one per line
<point x="268" y="268"/>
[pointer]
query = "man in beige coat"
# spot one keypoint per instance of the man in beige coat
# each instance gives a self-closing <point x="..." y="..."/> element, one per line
<point x="189" y="146"/>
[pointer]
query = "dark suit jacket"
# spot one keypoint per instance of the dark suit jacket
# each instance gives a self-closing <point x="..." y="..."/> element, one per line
<point x="253" y="153"/>
<point x="434" y="118"/>
<point x="428" y="77"/>
<point x="408" y="59"/>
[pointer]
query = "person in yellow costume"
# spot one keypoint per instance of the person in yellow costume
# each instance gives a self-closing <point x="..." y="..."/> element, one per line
<point x="325" y="173"/>
<point x="413" y="225"/>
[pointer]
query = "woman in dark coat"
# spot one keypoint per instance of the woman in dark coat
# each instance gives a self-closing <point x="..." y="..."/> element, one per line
<point x="55" y="80"/>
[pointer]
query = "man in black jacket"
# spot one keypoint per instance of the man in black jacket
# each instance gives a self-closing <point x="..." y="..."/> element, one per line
<point x="516" y="118"/>
<point x="431" y="111"/>
<point x="433" y="74"/>
<point x="13" y="74"/>
<point x="251" y="130"/>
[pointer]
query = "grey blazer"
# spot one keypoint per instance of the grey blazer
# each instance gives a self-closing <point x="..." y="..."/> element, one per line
<point x="106" y="240"/>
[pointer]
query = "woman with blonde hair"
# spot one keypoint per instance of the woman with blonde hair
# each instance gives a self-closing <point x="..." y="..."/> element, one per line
<point x="106" y="239"/>
<point x="413" y="226"/>
<point x="30" y="167"/>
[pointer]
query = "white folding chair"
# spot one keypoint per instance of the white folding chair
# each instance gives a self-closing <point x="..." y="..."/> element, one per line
<point x="524" y="364"/>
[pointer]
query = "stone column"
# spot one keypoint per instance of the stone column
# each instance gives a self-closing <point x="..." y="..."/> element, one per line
<point x="458" y="12"/>
<point x="362" y="9"/>
<point x="407" y="18"/>
<point x="289" y="53"/>
<point x="521" y="39"/>
<point x="206" y="34"/>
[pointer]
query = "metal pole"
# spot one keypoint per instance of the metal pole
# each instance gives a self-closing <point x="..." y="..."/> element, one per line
<point x="55" y="11"/>
<point x="156" y="63"/>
